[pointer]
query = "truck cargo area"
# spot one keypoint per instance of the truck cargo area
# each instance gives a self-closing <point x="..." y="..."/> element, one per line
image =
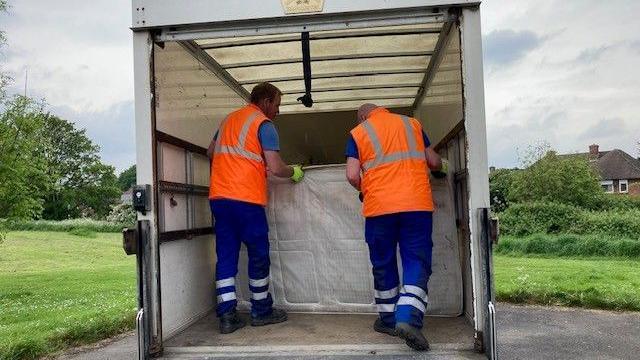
<point x="320" y="270"/>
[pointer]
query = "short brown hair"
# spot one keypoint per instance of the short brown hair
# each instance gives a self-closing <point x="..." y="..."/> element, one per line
<point x="264" y="90"/>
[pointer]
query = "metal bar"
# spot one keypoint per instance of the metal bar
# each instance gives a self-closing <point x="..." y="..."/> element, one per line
<point x="215" y="68"/>
<point x="434" y="63"/>
<point x="379" y="97"/>
<point x="355" y="87"/>
<point x="187" y="234"/>
<point x="328" y="58"/>
<point x="319" y="36"/>
<point x="180" y="188"/>
<point x="146" y="272"/>
<point x="337" y="75"/>
<point x="172" y="140"/>
<point x="298" y="24"/>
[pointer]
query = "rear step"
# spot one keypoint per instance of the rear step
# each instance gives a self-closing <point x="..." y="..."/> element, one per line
<point x="391" y="351"/>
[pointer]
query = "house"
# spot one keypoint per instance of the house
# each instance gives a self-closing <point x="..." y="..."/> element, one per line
<point x="127" y="197"/>
<point x="619" y="171"/>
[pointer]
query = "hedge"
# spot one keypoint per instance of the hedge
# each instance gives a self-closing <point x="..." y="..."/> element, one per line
<point x="553" y="218"/>
<point x="86" y="225"/>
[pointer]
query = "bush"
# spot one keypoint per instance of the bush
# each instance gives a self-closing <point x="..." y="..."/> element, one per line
<point x="625" y="223"/>
<point x="552" y="178"/>
<point x="553" y="218"/>
<point x="64" y="225"/>
<point x="569" y="245"/>
<point x="122" y="214"/>
<point x="617" y="202"/>
<point x="541" y="217"/>
<point x="500" y="181"/>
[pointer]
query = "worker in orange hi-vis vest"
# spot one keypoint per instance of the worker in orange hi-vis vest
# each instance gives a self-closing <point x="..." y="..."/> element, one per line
<point x="394" y="156"/>
<point x="245" y="147"/>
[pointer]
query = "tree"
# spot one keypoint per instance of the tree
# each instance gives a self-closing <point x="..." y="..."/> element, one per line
<point x="127" y="178"/>
<point x="82" y="185"/>
<point x="500" y="181"/>
<point x="567" y="179"/>
<point x="23" y="171"/>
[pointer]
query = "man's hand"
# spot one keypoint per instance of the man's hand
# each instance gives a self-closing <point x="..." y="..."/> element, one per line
<point x="298" y="174"/>
<point x="444" y="170"/>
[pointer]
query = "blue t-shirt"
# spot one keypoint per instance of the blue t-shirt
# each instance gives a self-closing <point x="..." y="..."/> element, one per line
<point x="352" y="148"/>
<point x="268" y="136"/>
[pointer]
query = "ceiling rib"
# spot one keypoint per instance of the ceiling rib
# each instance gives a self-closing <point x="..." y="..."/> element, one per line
<point x="434" y="63"/>
<point x="337" y="75"/>
<point x="318" y="36"/>
<point x="204" y="58"/>
<point x="328" y="58"/>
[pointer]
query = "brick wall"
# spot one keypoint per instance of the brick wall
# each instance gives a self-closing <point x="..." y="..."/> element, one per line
<point x="634" y="187"/>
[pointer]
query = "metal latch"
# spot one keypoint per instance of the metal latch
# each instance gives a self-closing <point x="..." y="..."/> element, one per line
<point x="494" y="230"/>
<point x="130" y="241"/>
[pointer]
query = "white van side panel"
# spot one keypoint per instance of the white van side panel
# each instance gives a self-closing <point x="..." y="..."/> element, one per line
<point x="187" y="282"/>
<point x="475" y="126"/>
<point x="150" y="13"/>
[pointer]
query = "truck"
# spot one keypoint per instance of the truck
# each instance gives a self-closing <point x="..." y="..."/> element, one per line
<point x="196" y="61"/>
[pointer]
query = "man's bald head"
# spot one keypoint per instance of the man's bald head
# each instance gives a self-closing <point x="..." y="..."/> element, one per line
<point x="364" y="111"/>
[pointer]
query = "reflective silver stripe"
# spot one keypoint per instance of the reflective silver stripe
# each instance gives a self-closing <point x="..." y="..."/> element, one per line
<point x="238" y="149"/>
<point x="260" y="295"/>
<point x="380" y="158"/>
<point x="411" y="140"/>
<point x="220" y="131"/>
<point x="409" y="300"/>
<point x="226" y="297"/>
<point x="259" y="282"/>
<point x="415" y="290"/>
<point x="386" y="307"/>
<point x="225" y="282"/>
<point x="417" y="155"/>
<point x="373" y="137"/>
<point x="386" y="294"/>
<point x="242" y="139"/>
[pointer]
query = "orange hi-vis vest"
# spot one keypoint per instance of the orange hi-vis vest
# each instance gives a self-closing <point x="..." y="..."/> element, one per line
<point x="238" y="170"/>
<point x="395" y="175"/>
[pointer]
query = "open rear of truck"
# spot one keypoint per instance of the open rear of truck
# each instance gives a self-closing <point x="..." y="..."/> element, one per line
<point x="196" y="62"/>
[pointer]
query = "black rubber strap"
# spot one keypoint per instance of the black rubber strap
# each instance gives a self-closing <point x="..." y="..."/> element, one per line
<point x="306" y="68"/>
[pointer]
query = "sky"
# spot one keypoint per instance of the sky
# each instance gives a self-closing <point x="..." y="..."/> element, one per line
<point x="562" y="72"/>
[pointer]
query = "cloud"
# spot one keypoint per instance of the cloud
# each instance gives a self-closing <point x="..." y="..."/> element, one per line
<point x="504" y="47"/>
<point x="605" y="128"/>
<point x="112" y="129"/>
<point x="594" y="54"/>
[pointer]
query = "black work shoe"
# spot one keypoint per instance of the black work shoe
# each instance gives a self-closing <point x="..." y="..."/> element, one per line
<point x="231" y="322"/>
<point x="412" y="336"/>
<point x="381" y="327"/>
<point x="276" y="316"/>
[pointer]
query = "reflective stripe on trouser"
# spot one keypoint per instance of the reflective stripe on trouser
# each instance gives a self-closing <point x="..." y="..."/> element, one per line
<point x="237" y="222"/>
<point x="411" y="231"/>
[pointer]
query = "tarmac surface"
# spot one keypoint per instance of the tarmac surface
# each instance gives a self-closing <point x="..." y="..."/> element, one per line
<point x="524" y="332"/>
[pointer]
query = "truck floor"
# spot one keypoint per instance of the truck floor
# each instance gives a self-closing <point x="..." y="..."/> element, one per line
<point x="319" y="335"/>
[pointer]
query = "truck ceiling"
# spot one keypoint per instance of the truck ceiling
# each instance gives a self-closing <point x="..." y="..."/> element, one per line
<point x="394" y="66"/>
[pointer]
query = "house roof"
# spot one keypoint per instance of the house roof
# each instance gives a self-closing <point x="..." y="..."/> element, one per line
<point x="614" y="165"/>
<point x="617" y="164"/>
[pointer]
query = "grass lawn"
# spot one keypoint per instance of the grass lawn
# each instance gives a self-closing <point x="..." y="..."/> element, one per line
<point x="601" y="283"/>
<point x="59" y="290"/>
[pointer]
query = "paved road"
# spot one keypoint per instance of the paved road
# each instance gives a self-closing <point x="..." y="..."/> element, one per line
<point x="525" y="332"/>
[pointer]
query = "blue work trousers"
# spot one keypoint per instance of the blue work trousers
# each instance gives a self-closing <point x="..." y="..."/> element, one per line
<point x="239" y="222"/>
<point x="412" y="232"/>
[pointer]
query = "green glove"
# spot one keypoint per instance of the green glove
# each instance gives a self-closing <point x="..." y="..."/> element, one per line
<point x="298" y="174"/>
<point x="439" y="174"/>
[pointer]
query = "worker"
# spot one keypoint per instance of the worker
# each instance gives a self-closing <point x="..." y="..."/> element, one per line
<point x="243" y="149"/>
<point x="393" y="154"/>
